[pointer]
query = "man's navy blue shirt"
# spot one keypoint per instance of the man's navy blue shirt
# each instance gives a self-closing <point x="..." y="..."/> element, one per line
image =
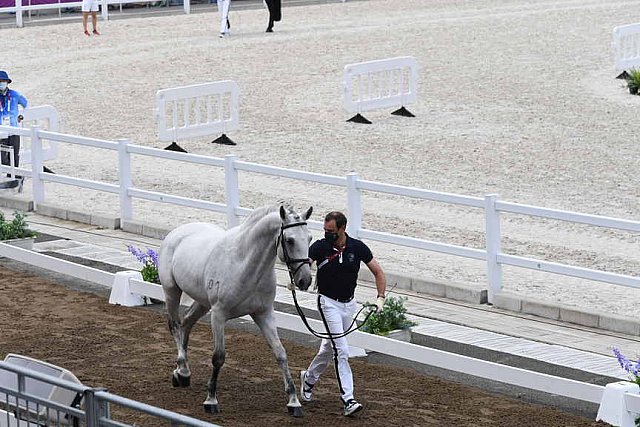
<point x="337" y="278"/>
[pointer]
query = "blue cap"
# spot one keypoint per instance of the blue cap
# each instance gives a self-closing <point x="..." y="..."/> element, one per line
<point x="4" y="76"/>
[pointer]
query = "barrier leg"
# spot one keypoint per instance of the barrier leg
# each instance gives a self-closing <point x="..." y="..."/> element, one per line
<point x="359" y="118"/>
<point x="402" y="111"/>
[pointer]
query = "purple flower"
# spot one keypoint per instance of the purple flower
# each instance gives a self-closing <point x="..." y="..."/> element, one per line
<point x="153" y="257"/>
<point x="150" y="257"/>
<point x="632" y="368"/>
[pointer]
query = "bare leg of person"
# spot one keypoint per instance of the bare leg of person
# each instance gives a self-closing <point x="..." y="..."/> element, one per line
<point x="85" y="17"/>
<point x="94" y="22"/>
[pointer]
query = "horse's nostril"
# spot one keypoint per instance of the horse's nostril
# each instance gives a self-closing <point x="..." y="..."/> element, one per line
<point x="304" y="284"/>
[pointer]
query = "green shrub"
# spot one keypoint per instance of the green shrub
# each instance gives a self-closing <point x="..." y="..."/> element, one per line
<point x="392" y="317"/>
<point x="633" y="81"/>
<point x="15" y="229"/>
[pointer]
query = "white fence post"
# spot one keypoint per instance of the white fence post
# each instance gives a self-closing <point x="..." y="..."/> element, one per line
<point x="492" y="235"/>
<point x="354" y="205"/>
<point x="187" y="6"/>
<point x="232" y="190"/>
<point x="105" y="10"/>
<point x="124" y="179"/>
<point x="36" y="166"/>
<point x="19" y="22"/>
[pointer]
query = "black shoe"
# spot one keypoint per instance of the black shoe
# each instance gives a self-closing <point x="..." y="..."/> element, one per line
<point x="351" y="408"/>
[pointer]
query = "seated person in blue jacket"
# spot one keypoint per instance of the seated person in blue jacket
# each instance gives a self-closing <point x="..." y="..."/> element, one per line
<point x="10" y="116"/>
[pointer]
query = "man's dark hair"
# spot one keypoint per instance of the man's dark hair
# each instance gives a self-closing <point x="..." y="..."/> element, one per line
<point x="338" y="217"/>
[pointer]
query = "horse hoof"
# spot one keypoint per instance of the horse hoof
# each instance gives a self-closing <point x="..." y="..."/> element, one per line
<point x="178" y="380"/>
<point x="296" y="411"/>
<point x="211" y="408"/>
<point x="269" y="30"/>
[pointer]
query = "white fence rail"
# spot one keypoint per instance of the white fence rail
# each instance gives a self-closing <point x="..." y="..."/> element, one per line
<point x="626" y="47"/>
<point x="378" y="84"/>
<point x="353" y="186"/>
<point x="19" y="9"/>
<point x="416" y="353"/>
<point x="197" y="110"/>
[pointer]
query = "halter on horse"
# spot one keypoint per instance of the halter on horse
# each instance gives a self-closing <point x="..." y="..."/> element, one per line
<point x="232" y="274"/>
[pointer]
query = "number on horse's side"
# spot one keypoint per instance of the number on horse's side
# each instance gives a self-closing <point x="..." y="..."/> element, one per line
<point x="231" y="273"/>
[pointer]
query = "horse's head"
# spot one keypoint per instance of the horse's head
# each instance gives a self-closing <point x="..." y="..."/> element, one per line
<point x="293" y="249"/>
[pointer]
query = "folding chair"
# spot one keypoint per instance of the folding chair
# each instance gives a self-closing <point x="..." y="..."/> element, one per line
<point x="29" y="414"/>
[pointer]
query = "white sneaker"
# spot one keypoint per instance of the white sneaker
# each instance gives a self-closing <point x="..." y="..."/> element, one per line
<point x="305" y="388"/>
<point x="351" y="408"/>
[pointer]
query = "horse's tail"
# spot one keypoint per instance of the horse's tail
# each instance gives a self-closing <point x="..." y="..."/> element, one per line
<point x="172" y="291"/>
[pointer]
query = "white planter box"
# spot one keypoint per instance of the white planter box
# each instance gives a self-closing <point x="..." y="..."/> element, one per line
<point x="400" y="335"/>
<point x="24" y="243"/>
<point x="397" y="334"/>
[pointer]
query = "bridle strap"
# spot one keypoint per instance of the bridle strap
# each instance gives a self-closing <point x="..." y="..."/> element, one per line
<point x="293" y="224"/>
<point x="288" y="260"/>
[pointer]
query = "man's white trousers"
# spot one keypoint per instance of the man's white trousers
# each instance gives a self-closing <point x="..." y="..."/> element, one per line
<point x="223" y="9"/>
<point x="338" y="317"/>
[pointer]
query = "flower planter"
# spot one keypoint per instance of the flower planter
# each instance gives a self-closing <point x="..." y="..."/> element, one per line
<point x="613" y="409"/>
<point x="633" y="90"/>
<point x="24" y="243"/>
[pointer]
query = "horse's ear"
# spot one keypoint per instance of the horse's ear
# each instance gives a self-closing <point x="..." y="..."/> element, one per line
<point x="308" y="213"/>
<point x="283" y="213"/>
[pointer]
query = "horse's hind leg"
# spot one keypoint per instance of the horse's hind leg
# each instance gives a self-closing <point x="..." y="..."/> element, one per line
<point x="267" y="323"/>
<point x="217" y="360"/>
<point x="180" y="330"/>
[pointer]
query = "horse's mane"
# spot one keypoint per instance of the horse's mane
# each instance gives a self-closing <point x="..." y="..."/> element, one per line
<point x="259" y="213"/>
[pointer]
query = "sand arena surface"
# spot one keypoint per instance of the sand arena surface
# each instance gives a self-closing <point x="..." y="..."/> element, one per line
<point x="130" y="352"/>
<point x="516" y="98"/>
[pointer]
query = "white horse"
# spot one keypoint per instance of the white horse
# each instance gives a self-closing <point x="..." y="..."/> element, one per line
<point x="232" y="274"/>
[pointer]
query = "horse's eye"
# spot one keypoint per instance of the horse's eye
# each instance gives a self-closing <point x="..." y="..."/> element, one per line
<point x="290" y="241"/>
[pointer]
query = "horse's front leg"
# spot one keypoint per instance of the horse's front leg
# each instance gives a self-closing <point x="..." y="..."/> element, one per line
<point x="267" y="323"/>
<point x="217" y="360"/>
<point x="180" y="331"/>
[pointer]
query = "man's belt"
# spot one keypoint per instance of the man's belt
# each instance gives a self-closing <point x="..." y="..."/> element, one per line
<point x="343" y="300"/>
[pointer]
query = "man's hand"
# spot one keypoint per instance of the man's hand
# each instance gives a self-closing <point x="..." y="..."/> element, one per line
<point x="20" y="118"/>
<point x="291" y="286"/>
<point x="379" y="303"/>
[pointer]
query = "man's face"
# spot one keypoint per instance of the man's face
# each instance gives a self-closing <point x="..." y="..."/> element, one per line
<point x="331" y="227"/>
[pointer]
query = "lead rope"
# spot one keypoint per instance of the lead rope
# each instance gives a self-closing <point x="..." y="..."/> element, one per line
<point x="329" y="335"/>
<point x="292" y="286"/>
